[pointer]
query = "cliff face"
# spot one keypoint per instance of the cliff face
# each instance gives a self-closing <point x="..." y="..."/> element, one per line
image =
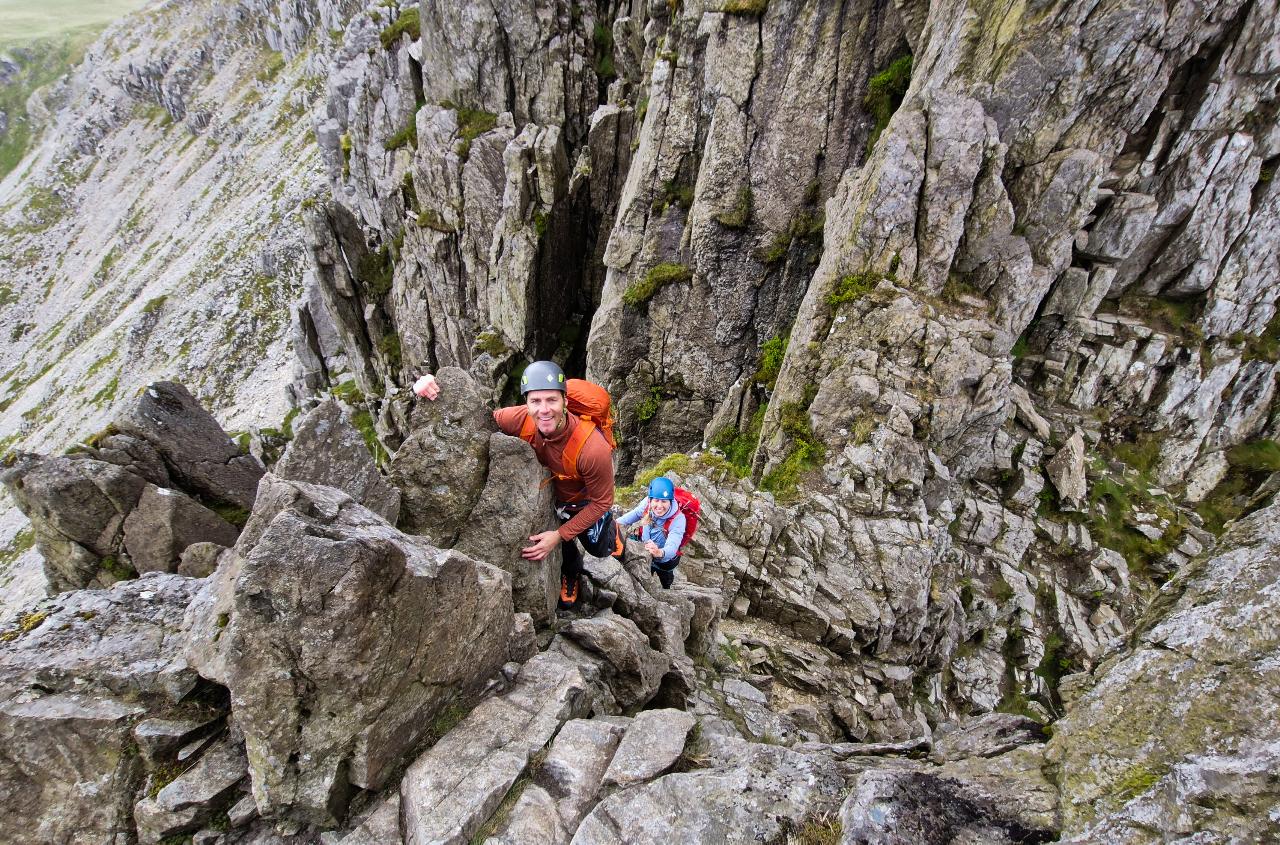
<point x="966" y="316"/>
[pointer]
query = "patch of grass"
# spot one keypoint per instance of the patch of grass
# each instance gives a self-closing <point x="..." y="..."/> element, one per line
<point x="347" y="392"/>
<point x="678" y="463"/>
<point x="490" y="342"/>
<point x="751" y="8"/>
<point x="406" y="136"/>
<point x="273" y="63"/>
<point x="118" y="569"/>
<point x="472" y="123"/>
<point x="740" y="215"/>
<point x="499" y="818"/>
<point x="18" y="546"/>
<point x="1178" y="318"/>
<point x="1054" y="666"/>
<point x="672" y="193"/>
<point x="648" y="409"/>
<point x="235" y="514"/>
<point x="885" y="91"/>
<point x="852" y="287"/>
<point x="7" y="296"/>
<point x="644" y="288"/>
<point x="429" y="218"/>
<point x="48" y="55"/>
<point x="107" y="393"/>
<point x="1263" y="347"/>
<point x="739" y="447"/>
<point x="389" y="346"/>
<point x="771" y="355"/>
<point x="446" y="720"/>
<point x="154" y="304"/>
<point x="1249" y="466"/>
<point x="805" y="453"/>
<point x="362" y="419"/>
<point x="407" y="24"/>
<point x="824" y="829"/>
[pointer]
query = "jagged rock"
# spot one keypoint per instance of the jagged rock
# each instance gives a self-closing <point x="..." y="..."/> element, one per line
<point x="164" y="523"/>
<point x="323" y="588"/>
<point x="654" y="740"/>
<point x="572" y="771"/>
<point x="901" y="807"/>
<point x="134" y="454"/>
<point x="618" y="654"/>
<point x="755" y="794"/>
<point x="160" y="738"/>
<point x="125" y="642"/>
<point x="440" y="469"/>
<point x="1210" y="638"/>
<point x="1066" y="471"/>
<point x="381" y="826"/>
<point x="77" y="509"/>
<point x="197" y="453"/>
<point x="71" y="689"/>
<point x="1121" y="227"/>
<point x="452" y="789"/>
<point x="326" y="449"/>
<point x="515" y="505"/>
<point x="985" y="736"/>
<point x="195" y="796"/>
<point x="199" y="560"/>
<point x="57" y="749"/>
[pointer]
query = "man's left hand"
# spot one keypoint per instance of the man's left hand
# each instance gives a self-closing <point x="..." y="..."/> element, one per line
<point x="542" y="545"/>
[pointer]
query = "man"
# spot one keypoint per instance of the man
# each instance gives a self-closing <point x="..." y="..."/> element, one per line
<point x="580" y="462"/>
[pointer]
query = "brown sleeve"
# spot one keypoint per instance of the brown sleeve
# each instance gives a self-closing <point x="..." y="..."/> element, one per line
<point x="595" y="467"/>
<point x="510" y="419"/>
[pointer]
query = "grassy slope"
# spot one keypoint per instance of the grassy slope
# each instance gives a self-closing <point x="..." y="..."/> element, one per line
<point x="46" y="40"/>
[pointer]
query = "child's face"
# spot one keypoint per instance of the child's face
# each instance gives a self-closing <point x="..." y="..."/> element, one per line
<point x="659" y="507"/>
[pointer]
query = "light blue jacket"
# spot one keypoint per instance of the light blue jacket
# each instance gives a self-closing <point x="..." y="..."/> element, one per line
<point x="657" y="529"/>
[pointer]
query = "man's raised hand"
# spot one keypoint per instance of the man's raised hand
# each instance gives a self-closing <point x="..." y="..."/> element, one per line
<point x="427" y="387"/>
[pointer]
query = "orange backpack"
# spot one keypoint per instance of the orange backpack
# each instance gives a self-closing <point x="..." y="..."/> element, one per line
<point x="591" y="403"/>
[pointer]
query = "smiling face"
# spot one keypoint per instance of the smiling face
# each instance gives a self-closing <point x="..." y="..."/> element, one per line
<point x="659" y="507"/>
<point x="547" y="409"/>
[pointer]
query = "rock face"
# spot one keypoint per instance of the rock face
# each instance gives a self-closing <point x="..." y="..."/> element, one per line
<point x="129" y="504"/>
<point x="325" y="597"/>
<point x="74" y="679"/>
<point x="327" y="450"/>
<point x="1151" y="740"/>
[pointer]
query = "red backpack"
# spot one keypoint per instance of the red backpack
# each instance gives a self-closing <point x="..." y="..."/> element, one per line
<point x="591" y="404"/>
<point x="691" y="508"/>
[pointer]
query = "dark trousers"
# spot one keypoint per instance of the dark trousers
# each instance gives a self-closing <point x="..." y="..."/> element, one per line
<point x="605" y="535"/>
<point x="666" y="572"/>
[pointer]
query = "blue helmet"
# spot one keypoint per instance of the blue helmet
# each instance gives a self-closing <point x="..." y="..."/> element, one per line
<point x="662" y="488"/>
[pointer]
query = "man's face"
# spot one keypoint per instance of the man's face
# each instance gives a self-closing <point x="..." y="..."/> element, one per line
<point x="547" y="409"/>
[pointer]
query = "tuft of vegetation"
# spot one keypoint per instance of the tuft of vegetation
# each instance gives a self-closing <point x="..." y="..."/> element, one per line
<point x="345" y="144"/>
<point x="429" y="218"/>
<point x="648" y="409"/>
<point x="672" y="193"/>
<point x="824" y="829"/>
<point x="644" y="288"/>
<point x="678" y="463"/>
<point x="45" y="59"/>
<point x="852" y="287"/>
<point x="347" y="392"/>
<point x="1136" y="780"/>
<point x="154" y="304"/>
<point x="472" y="123"/>
<point x="407" y="24"/>
<point x="739" y="447"/>
<point x="1250" y="464"/>
<point x="18" y="546"/>
<point x="498" y="820"/>
<point x="740" y="215"/>
<point x="118" y="569"/>
<point x="389" y="346"/>
<point x="408" y="136"/>
<point x="1178" y="318"/>
<point x="602" y="37"/>
<point x="235" y="514"/>
<point x="771" y="355"/>
<point x="806" y="452"/>
<point x="1263" y="347"/>
<point x="750" y="8"/>
<point x="490" y="342"/>
<point x="885" y="91"/>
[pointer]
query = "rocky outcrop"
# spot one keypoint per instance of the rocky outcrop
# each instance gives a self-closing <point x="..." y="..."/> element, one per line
<point x="327" y="450"/>
<point x="393" y="610"/>
<point x="107" y="512"/>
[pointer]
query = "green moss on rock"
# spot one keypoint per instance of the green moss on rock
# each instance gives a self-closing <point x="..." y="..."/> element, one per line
<point x="643" y="289"/>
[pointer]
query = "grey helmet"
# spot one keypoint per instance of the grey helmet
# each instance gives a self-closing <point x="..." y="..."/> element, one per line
<point x="542" y="375"/>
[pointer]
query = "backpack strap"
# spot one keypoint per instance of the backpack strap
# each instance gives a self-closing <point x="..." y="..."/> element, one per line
<point x="528" y="428"/>
<point x="572" y="449"/>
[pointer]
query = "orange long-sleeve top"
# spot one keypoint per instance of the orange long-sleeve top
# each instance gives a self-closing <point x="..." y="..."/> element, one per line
<point x="594" y="486"/>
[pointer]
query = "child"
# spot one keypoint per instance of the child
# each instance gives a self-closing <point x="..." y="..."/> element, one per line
<point x="661" y="532"/>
